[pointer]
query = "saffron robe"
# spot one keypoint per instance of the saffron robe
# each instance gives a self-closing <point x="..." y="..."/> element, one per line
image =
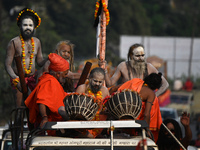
<point x="155" y="115"/>
<point x="48" y="92"/>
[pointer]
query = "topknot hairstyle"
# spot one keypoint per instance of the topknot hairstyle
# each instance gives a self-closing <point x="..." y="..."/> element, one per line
<point x="153" y="80"/>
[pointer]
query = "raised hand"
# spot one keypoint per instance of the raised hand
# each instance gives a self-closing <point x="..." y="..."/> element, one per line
<point x="185" y="119"/>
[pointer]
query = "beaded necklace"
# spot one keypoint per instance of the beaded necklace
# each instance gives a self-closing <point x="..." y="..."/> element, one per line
<point x="23" y="55"/>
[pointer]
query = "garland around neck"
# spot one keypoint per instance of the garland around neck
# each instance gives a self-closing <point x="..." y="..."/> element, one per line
<point x="24" y="55"/>
<point x="98" y="94"/>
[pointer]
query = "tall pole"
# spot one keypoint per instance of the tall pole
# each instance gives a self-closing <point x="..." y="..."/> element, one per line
<point x="102" y="35"/>
<point x="1" y="7"/>
<point x="190" y="58"/>
<point x="174" y="65"/>
<point x="191" y="48"/>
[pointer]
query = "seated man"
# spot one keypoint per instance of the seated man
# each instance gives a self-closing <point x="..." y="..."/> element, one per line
<point x="47" y="97"/>
<point x="95" y="88"/>
<point x="150" y="107"/>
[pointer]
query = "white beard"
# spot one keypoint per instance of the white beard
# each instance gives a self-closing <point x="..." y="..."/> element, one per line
<point x="139" y="68"/>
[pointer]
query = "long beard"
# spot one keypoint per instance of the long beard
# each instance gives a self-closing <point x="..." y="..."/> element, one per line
<point x="95" y="88"/>
<point x="61" y="80"/>
<point x="27" y="36"/>
<point x="139" y="67"/>
<point x="170" y="143"/>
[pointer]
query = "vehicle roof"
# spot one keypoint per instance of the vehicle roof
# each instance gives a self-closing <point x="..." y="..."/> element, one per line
<point x="49" y="141"/>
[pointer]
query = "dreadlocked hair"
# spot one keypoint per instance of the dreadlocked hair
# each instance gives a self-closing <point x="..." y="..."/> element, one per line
<point x="153" y="80"/>
<point x="161" y="135"/>
<point x="67" y="42"/>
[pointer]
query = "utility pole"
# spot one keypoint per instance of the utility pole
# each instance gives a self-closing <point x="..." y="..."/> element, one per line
<point x="0" y="21"/>
<point x="174" y="62"/>
<point x="191" y="46"/>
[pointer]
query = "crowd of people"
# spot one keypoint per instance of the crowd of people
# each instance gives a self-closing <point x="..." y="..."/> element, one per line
<point x="54" y="81"/>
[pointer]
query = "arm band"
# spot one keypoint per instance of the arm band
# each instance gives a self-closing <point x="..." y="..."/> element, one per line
<point x="150" y="102"/>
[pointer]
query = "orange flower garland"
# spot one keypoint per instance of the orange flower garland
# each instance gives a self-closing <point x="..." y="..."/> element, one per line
<point x="15" y="81"/>
<point x="23" y="55"/>
<point x="98" y="98"/>
<point x="104" y="9"/>
<point x="39" y="19"/>
<point x="96" y="10"/>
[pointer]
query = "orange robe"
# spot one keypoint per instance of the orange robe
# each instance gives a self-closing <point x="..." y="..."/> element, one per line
<point x="48" y="92"/>
<point x="98" y="117"/>
<point x="155" y="115"/>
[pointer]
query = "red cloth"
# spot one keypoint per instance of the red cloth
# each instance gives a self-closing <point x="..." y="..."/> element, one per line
<point x="30" y="81"/>
<point x="156" y="118"/>
<point x="48" y="92"/>
<point x="188" y="85"/>
<point x="197" y="143"/>
<point x="164" y="99"/>
<point x="58" y="63"/>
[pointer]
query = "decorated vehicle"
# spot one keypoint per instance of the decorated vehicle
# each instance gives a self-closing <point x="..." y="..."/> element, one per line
<point x="116" y="142"/>
<point x="116" y="137"/>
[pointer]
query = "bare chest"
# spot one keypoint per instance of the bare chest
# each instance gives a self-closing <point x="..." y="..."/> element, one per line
<point x="128" y="74"/>
<point x="27" y="49"/>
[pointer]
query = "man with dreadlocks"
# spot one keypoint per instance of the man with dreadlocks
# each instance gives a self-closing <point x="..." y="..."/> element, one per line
<point x="165" y="139"/>
<point x="66" y="50"/>
<point x="135" y="67"/>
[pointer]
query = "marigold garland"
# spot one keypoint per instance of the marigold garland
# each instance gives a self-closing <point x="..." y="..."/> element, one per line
<point x="75" y="93"/>
<point x="105" y="9"/>
<point x="15" y="81"/>
<point x="39" y="19"/>
<point x="23" y="55"/>
<point x="98" y="95"/>
<point x="99" y="100"/>
<point x="96" y="9"/>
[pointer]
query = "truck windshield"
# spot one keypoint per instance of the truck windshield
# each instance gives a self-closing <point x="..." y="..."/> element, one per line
<point x="179" y="99"/>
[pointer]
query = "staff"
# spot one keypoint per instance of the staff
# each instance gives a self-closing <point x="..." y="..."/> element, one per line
<point x="102" y="14"/>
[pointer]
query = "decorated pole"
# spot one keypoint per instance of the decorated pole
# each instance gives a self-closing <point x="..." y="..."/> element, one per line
<point x="103" y="17"/>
